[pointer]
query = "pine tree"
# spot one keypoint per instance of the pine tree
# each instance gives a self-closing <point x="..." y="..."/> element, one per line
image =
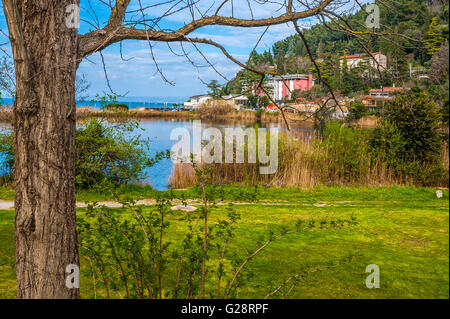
<point x="268" y="57"/>
<point x="345" y="64"/>
<point x="281" y="63"/>
<point x="216" y="89"/>
<point x="434" y="38"/>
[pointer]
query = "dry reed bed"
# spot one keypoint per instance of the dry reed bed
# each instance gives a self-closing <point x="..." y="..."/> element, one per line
<point x="306" y="162"/>
<point x="370" y="121"/>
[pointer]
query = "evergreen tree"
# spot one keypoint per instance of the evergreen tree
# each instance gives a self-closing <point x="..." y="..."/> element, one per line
<point x="434" y="38"/>
<point x="216" y="89"/>
<point x="418" y="121"/>
<point x="344" y="64"/>
<point x="281" y="63"/>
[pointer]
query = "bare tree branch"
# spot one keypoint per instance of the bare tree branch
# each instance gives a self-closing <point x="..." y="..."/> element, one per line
<point x="115" y="31"/>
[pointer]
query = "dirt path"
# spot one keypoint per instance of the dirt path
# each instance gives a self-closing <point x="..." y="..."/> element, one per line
<point x="9" y="205"/>
<point x="6" y="205"/>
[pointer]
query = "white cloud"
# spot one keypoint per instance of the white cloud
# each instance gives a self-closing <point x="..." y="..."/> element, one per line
<point x="140" y="77"/>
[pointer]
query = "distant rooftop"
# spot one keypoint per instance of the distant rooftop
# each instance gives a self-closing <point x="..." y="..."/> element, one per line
<point x="291" y="77"/>
<point x="358" y="55"/>
<point x="389" y="89"/>
<point x="199" y="96"/>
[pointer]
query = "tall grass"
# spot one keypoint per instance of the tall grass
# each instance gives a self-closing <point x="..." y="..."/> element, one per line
<point x="369" y="121"/>
<point x="341" y="157"/>
<point x="445" y="156"/>
<point x="219" y="110"/>
<point x="299" y="165"/>
<point x="213" y="109"/>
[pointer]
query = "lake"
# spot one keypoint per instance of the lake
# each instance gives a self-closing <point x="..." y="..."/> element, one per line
<point x="158" y="131"/>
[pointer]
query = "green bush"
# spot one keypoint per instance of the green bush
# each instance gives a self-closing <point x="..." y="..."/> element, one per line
<point x="357" y="111"/>
<point x="388" y="144"/>
<point x="107" y="152"/>
<point x="408" y="139"/>
<point x="418" y="122"/>
<point x="6" y="156"/>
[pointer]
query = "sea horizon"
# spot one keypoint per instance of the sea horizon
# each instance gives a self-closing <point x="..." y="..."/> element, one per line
<point x="132" y="101"/>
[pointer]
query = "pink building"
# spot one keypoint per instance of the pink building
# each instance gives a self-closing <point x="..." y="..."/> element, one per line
<point x="283" y="86"/>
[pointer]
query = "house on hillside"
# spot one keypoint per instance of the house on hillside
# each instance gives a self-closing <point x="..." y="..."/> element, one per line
<point x="377" y="97"/>
<point x="237" y="100"/>
<point x="378" y="59"/>
<point x="196" y="100"/>
<point x="307" y="107"/>
<point x="280" y="87"/>
<point x="283" y="86"/>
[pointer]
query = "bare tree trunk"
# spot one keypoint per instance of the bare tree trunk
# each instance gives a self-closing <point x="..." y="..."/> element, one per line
<point x="45" y="55"/>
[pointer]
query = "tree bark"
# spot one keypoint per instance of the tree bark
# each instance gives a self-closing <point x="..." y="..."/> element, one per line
<point x="45" y="56"/>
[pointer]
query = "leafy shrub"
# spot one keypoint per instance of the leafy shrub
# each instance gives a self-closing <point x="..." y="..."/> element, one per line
<point x="387" y="143"/>
<point x="357" y="111"/>
<point x="6" y="157"/>
<point x="129" y="252"/>
<point x="408" y="139"/>
<point x="264" y="101"/>
<point x="109" y="153"/>
<point x="418" y="122"/>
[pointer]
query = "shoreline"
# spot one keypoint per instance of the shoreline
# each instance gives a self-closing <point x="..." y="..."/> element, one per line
<point x="243" y="116"/>
<point x="6" y="116"/>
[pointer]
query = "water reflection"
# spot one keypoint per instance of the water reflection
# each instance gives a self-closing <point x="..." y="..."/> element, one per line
<point x="159" y="130"/>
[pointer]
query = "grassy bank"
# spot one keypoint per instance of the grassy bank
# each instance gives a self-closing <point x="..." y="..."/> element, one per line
<point x="403" y="230"/>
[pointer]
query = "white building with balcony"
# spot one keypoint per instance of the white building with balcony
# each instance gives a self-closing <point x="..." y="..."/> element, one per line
<point x="196" y="100"/>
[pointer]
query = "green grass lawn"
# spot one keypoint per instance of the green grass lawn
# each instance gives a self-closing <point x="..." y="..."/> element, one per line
<point x="403" y="230"/>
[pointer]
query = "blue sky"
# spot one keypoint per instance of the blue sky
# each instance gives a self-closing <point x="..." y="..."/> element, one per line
<point x="139" y="76"/>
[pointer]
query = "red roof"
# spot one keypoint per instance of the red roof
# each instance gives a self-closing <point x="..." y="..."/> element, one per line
<point x="390" y="89"/>
<point x="354" y="56"/>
